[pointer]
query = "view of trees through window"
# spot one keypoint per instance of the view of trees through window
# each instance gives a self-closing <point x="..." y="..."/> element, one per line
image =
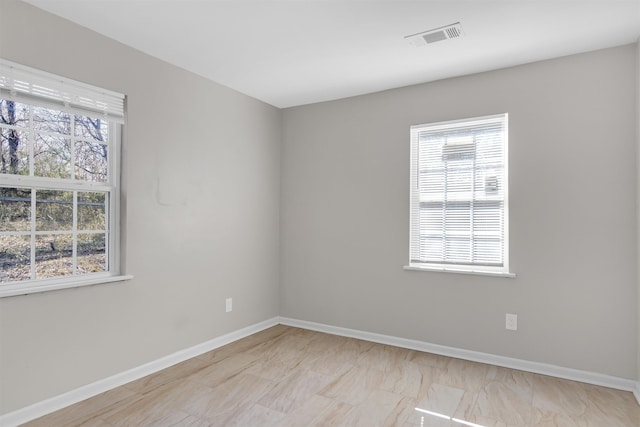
<point x="49" y="226"/>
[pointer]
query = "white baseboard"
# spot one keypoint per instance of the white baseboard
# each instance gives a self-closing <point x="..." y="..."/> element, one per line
<point x="55" y="403"/>
<point x="475" y="356"/>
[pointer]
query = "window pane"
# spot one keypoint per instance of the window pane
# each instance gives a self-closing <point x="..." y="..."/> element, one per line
<point x="457" y="219"/>
<point x="52" y="156"/>
<point x="459" y="182"/>
<point x="488" y="183"/>
<point x="54" y="210"/>
<point x="91" y="129"/>
<point x="54" y="121"/>
<point x="14" y="151"/>
<point x="14" y="113"/>
<point x="488" y="218"/>
<point x="15" y="258"/>
<point x="91" y="211"/>
<point x="431" y="248"/>
<point x="91" y="253"/>
<point x="15" y="209"/>
<point x="458" y="249"/>
<point x="54" y="255"/>
<point x="91" y="161"/>
<point x="432" y="185"/>
<point x="432" y="218"/>
<point x="488" y="251"/>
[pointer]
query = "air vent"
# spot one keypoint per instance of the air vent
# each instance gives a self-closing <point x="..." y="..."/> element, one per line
<point x="436" y="35"/>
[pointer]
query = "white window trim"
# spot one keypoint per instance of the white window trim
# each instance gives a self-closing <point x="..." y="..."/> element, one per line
<point x="493" y="271"/>
<point x="459" y="271"/>
<point x="79" y="98"/>
<point x="26" y="288"/>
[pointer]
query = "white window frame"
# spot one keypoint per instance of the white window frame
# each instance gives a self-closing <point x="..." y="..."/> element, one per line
<point x="415" y="263"/>
<point x="41" y="89"/>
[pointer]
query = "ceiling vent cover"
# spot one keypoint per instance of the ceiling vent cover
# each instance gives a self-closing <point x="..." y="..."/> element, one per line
<point x="452" y="31"/>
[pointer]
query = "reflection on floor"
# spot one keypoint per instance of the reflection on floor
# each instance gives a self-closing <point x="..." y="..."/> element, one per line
<point x="286" y="376"/>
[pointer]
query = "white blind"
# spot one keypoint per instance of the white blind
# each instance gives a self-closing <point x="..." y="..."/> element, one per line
<point x="21" y="83"/>
<point x="458" y="194"/>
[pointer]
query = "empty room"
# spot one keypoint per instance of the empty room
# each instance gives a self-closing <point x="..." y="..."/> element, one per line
<point x="320" y="213"/>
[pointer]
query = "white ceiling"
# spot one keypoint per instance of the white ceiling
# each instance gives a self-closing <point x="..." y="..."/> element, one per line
<point x="295" y="52"/>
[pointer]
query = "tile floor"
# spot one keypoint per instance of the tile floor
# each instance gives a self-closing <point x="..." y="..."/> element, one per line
<point x="286" y="376"/>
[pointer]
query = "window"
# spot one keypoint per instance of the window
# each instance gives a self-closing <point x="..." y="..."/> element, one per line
<point x="459" y="215"/>
<point x="59" y="181"/>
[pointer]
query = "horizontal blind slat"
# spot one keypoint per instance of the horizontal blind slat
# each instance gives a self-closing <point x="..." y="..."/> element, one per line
<point x="21" y="82"/>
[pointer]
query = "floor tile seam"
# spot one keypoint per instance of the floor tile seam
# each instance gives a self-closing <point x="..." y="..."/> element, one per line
<point x="192" y="412"/>
<point x="472" y="407"/>
<point x="352" y="408"/>
<point x="175" y="405"/>
<point x="407" y="415"/>
<point x="315" y="391"/>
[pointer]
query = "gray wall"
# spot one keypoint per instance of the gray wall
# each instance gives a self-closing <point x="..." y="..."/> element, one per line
<point x="638" y="196"/>
<point x="202" y="194"/>
<point x="345" y="215"/>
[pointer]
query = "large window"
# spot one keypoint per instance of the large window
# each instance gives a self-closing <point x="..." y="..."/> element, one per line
<point x="459" y="215"/>
<point x="59" y="181"/>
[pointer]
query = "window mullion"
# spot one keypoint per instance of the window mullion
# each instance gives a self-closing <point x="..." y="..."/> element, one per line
<point x="32" y="242"/>
<point x="472" y="206"/>
<point x="445" y="203"/>
<point x="31" y="137"/>
<point x="72" y="151"/>
<point x="74" y="236"/>
<point x="112" y="205"/>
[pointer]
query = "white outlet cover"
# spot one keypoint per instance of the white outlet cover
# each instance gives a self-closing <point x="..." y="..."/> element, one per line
<point x="229" y="304"/>
<point x="511" y="322"/>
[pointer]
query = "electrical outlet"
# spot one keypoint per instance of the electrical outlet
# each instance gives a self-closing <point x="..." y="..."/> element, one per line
<point x="511" y="322"/>
<point x="229" y="304"/>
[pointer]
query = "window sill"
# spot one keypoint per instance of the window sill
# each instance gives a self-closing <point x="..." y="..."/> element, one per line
<point x="453" y="270"/>
<point x="31" y="288"/>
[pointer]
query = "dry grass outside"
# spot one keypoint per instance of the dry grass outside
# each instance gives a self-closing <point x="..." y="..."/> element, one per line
<point x="53" y="257"/>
